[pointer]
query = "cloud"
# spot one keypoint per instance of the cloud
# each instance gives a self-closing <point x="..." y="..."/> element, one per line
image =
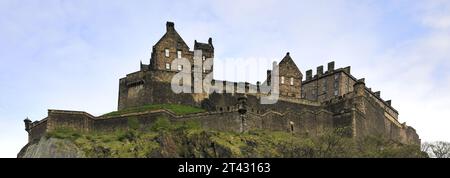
<point x="435" y="14"/>
<point x="70" y="54"/>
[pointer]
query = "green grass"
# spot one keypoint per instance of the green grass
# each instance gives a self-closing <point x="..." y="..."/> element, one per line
<point x="187" y="139"/>
<point x="176" y="108"/>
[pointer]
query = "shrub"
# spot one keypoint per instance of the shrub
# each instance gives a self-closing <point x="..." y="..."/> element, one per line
<point x="161" y="124"/>
<point x="133" y="123"/>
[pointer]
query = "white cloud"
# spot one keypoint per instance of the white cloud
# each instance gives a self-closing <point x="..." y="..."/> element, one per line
<point x="62" y="54"/>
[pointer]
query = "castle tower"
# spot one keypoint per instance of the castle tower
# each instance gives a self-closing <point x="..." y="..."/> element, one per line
<point x="207" y="53"/>
<point x="290" y="78"/>
<point x="168" y="48"/>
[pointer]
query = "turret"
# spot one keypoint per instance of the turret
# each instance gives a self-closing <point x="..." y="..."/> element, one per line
<point x="27" y="124"/>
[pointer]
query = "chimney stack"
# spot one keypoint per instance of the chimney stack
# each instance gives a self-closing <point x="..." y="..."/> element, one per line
<point x="309" y="74"/>
<point x="170" y="27"/>
<point x="210" y="41"/>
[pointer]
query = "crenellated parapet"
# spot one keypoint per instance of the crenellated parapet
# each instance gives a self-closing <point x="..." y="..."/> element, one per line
<point x="331" y="98"/>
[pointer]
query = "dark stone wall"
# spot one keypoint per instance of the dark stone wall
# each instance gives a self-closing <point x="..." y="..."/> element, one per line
<point x="151" y="87"/>
<point x="331" y="84"/>
<point x="172" y="41"/>
<point x="288" y="71"/>
<point x="37" y="131"/>
<point x="69" y="119"/>
<point x="303" y="122"/>
<point x="364" y="119"/>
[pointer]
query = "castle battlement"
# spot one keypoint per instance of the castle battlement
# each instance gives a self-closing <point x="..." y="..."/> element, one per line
<point x="329" y="99"/>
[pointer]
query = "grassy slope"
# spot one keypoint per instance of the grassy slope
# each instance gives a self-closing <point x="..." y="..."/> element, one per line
<point x="165" y="139"/>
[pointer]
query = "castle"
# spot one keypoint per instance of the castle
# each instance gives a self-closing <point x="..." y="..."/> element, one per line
<point x="329" y="99"/>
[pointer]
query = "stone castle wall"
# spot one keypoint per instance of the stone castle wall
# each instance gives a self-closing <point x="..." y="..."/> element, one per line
<point x="330" y="99"/>
<point x="37" y="130"/>
<point x="307" y="122"/>
<point x="355" y="110"/>
<point x="364" y="116"/>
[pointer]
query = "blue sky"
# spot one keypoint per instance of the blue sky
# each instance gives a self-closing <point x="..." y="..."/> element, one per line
<point x="63" y="54"/>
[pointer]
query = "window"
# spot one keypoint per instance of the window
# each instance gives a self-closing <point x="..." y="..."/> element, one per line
<point x="167" y="52"/>
<point x="178" y="54"/>
<point x="336" y="92"/>
<point x="282" y="80"/>
<point x="292" y="81"/>
<point x="180" y="67"/>
<point x="204" y="58"/>
<point x="204" y="70"/>
<point x="167" y="66"/>
<point x="336" y="76"/>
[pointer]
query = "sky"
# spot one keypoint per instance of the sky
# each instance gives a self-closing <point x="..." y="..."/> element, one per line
<point x="70" y="55"/>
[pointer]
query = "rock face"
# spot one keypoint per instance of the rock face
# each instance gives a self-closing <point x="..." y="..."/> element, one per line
<point x="51" y="148"/>
<point x="198" y="143"/>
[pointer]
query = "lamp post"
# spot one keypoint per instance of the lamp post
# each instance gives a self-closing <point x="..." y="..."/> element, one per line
<point x="242" y="109"/>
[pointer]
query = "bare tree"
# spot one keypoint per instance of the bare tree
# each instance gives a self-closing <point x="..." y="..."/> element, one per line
<point x="426" y="147"/>
<point x="437" y="149"/>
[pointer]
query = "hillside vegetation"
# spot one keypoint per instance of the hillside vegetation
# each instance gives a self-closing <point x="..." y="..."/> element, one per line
<point x="188" y="139"/>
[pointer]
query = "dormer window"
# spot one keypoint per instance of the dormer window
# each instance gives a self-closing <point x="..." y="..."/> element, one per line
<point x="282" y="79"/>
<point x="167" y="52"/>
<point x="292" y="81"/>
<point x="168" y="66"/>
<point x="178" y="54"/>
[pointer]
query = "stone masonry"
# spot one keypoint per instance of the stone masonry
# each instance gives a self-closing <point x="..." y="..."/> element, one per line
<point x="329" y="99"/>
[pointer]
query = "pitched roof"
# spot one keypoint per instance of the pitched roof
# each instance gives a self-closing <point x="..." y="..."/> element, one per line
<point x="172" y="32"/>
<point x="287" y="60"/>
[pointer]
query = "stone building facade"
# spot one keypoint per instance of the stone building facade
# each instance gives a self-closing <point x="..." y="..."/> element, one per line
<point x="329" y="99"/>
